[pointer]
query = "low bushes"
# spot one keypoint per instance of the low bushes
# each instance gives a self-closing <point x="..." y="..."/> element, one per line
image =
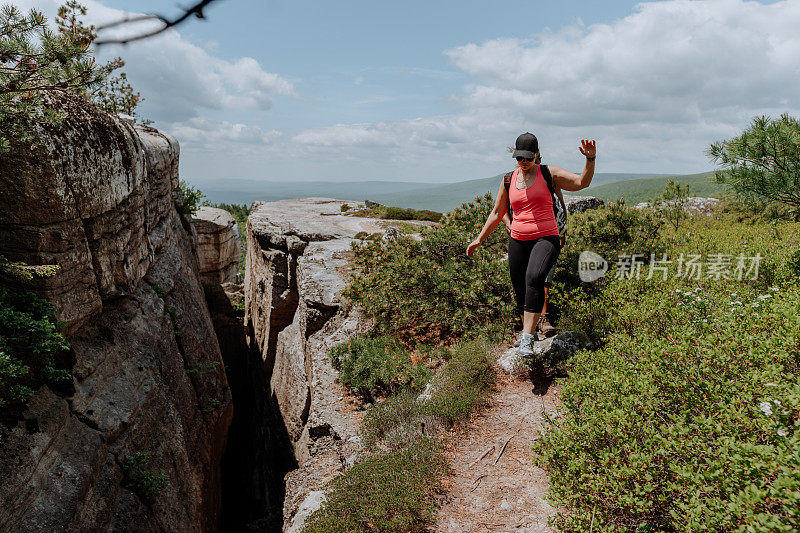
<point x="449" y="399"/>
<point x="687" y="419"/>
<point x="430" y="290"/>
<point x="397" y="213"/>
<point x="386" y="492"/>
<point x="371" y="366"/>
<point x="391" y="488"/>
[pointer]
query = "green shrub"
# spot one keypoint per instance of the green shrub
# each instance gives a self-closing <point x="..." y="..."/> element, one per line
<point x="398" y="213"/>
<point x="425" y="214"/>
<point x="429" y="290"/>
<point x="753" y="210"/>
<point x="190" y="199"/>
<point x="386" y="492"/>
<point x="610" y="231"/>
<point x="670" y="204"/>
<point x="372" y="366"/>
<point x="687" y="419"/>
<point x="451" y="396"/>
<point x="462" y="384"/>
<point x="199" y="369"/>
<point x="344" y="208"/>
<point x="391" y="488"/>
<point x="208" y="405"/>
<point x="31" y="348"/>
<point x="145" y="483"/>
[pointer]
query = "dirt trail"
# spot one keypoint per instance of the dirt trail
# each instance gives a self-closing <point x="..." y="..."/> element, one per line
<point x="506" y="494"/>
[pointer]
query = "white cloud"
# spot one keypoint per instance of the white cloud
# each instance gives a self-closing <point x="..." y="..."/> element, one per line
<point x="674" y="62"/>
<point x="205" y="133"/>
<point x="179" y="79"/>
<point x="655" y="88"/>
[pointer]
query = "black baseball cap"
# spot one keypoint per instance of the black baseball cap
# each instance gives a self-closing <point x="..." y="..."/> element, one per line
<point x="527" y="146"/>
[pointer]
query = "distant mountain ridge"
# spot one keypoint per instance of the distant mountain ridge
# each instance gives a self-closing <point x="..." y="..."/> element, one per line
<point x="641" y="190"/>
<point x="441" y="197"/>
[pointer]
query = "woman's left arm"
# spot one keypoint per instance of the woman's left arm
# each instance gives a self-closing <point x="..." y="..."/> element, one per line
<point x="569" y="181"/>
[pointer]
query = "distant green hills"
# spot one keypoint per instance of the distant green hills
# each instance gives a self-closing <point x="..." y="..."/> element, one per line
<point x="643" y="189"/>
<point x="442" y="197"/>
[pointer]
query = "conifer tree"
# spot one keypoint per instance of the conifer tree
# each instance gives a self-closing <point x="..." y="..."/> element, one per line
<point x="34" y="61"/>
<point x="764" y="161"/>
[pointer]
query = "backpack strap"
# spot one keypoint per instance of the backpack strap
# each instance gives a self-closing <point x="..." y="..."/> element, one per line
<point x="548" y="178"/>
<point x="507" y="184"/>
<point x="558" y="210"/>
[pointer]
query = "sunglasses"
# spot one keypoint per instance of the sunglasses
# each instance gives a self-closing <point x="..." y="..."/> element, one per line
<point x="528" y="159"/>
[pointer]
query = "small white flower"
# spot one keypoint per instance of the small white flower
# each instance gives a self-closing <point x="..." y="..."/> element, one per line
<point x="697" y="289"/>
<point x="677" y="290"/>
<point x="766" y="408"/>
<point x="783" y="432"/>
<point x="734" y="295"/>
<point x="773" y="288"/>
<point x="738" y="302"/>
<point x="755" y="304"/>
<point x="705" y="320"/>
<point x="771" y="384"/>
<point x="699" y="299"/>
<point x="687" y="293"/>
<point x="764" y="296"/>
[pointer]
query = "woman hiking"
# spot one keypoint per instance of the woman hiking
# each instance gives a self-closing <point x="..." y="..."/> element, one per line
<point x="533" y="245"/>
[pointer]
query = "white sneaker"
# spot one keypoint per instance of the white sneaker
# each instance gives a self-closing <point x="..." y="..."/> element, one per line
<point x="516" y="342"/>
<point x="526" y="344"/>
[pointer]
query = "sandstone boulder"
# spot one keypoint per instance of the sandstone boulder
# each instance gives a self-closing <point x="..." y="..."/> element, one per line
<point x="96" y="196"/>
<point x="218" y="245"/>
<point x="579" y="204"/>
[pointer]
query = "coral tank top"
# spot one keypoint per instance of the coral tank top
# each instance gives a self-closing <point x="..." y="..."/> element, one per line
<point x="533" y="209"/>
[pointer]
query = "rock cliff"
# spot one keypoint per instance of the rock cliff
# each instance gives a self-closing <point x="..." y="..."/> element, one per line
<point x="298" y="255"/>
<point x="218" y="245"/>
<point x="97" y="196"/>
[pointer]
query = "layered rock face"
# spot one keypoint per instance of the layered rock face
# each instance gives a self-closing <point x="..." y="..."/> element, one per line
<point x="297" y="265"/>
<point x="96" y="196"/>
<point x="217" y="245"/>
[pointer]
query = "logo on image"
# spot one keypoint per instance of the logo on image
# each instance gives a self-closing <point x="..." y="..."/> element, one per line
<point x="591" y="266"/>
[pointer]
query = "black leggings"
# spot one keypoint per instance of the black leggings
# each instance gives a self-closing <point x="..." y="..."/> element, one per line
<point x="529" y="263"/>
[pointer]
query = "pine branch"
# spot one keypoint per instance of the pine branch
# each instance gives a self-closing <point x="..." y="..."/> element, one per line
<point x="196" y="10"/>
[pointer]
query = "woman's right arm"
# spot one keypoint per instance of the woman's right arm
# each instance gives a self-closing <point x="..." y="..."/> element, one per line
<point x="495" y="217"/>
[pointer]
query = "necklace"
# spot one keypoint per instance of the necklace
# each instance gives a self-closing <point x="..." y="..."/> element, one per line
<point x="525" y="181"/>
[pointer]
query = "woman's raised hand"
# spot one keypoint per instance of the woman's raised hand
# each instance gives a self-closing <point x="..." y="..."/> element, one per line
<point x="588" y="148"/>
<point x="471" y="248"/>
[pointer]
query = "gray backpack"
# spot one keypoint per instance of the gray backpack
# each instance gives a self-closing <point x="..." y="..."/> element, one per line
<point x="558" y="209"/>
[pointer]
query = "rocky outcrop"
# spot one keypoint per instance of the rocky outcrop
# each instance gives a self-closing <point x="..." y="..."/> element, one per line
<point x="96" y="195"/>
<point x="692" y="205"/>
<point x="548" y="352"/>
<point x="298" y="255"/>
<point x="218" y="245"/>
<point x="579" y="204"/>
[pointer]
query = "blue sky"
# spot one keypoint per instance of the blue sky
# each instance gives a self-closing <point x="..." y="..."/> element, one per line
<point x="435" y="91"/>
